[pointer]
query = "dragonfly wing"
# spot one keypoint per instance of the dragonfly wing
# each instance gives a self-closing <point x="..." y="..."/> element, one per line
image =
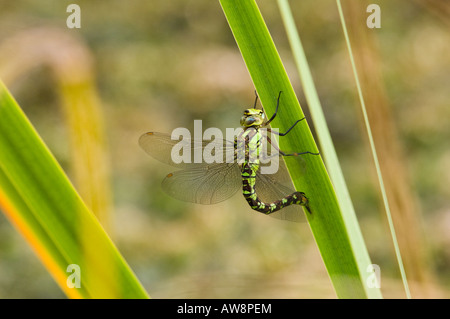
<point x="162" y="147"/>
<point x="204" y="184"/>
<point x="272" y="187"/>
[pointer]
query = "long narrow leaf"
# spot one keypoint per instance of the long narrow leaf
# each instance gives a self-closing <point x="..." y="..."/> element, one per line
<point x="329" y="152"/>
<point x="40" y="201"/>
<point x="269" y="77"/>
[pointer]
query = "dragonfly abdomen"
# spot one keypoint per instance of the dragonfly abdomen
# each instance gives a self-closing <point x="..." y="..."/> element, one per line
<point x="250" y="194"/>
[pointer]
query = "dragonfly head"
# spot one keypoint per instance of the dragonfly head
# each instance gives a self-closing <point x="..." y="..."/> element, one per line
<point x="252" y="117"/>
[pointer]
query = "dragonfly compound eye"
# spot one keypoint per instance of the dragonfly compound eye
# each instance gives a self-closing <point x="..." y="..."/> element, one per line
<point x="247" y="121"/>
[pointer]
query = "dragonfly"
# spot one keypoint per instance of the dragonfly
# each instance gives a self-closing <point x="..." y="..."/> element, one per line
<point x="211" y="182"/>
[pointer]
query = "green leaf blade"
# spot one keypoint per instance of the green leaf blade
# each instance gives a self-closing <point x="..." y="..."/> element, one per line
<point x="269" y="77"/>
<point x="41" y="202"/>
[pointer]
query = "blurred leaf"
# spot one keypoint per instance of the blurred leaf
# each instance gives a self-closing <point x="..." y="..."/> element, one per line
<point x="40" y="201"/>
<point x="71" y="64"/>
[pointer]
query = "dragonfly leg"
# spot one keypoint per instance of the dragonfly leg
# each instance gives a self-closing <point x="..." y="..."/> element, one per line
<point x="297" y="154"/>
<point x="283" y="134"/>
<point x="283" y="153"/>
<point x="275" y="114"/>
<point x="276" y="110"/>
<point x="256" y="99"/>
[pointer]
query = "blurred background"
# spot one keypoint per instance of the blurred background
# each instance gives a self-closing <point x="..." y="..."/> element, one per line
<point x="137" y="66"/>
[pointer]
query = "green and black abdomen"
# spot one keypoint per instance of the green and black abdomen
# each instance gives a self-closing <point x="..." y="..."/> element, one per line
<point x="248" y="144"/>
<point x="250" y="193"/>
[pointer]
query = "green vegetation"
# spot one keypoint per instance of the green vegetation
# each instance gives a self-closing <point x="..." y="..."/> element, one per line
<point x="40" y="201"/>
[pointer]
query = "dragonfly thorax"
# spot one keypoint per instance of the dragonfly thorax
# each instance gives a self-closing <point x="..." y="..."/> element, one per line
<point x="252" y="118"/>
<point x="248" y="147"/>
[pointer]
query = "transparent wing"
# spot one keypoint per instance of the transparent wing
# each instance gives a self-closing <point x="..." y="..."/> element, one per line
<point x="200" y="183"/>
<point x="163" y="148"/>
<point x="272" y="187"/>
<point x="204" y="184"/>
